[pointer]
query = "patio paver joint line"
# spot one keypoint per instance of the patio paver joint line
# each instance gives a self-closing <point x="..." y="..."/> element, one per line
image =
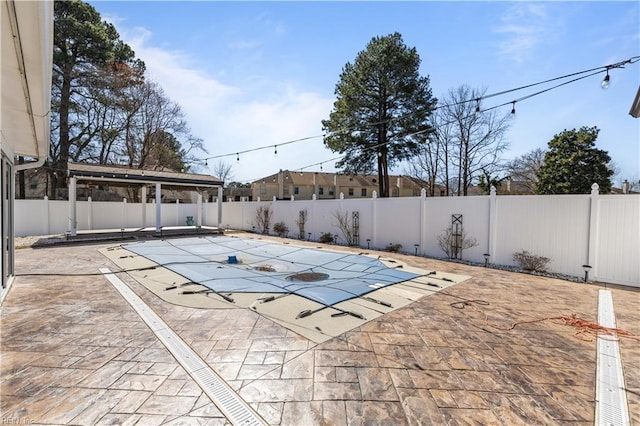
<point x="237" y="411"/>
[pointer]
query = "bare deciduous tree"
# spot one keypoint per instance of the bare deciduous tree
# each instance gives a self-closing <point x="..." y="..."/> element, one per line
<point x="453" y="245"/>
<point x="222" y="170"/>
<point x="303" y="215"/>
<point x="465" y="142"/>
<point x="523" y="170"/>
<point x="346" y="228"/>
<point x="263" y="219"/>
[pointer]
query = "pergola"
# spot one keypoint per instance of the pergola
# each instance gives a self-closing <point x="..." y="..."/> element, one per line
<point x="120" y="176"/>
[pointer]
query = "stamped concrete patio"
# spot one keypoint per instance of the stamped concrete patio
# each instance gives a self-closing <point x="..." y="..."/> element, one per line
<point x="75" y="352"/>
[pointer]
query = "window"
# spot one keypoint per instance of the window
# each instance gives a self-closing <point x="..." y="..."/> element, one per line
<point x="363" y="192"/>
<point x="296" y="190"/>
<point x="321" y="191"/>
<point x="351" y="192"/>
<point x="331" y="192"/>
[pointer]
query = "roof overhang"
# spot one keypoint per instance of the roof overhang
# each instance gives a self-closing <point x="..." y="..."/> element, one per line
<point x="25" y="79"/>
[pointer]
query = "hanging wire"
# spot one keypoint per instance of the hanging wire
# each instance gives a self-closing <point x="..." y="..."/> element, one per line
<point x="589" y="73"/>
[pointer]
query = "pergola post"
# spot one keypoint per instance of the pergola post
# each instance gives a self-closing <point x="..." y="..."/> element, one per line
<point x="158" y="207"/>
<point x="199" y="210"/>
<point x="143" y="199"/>
<point x="220" y="207"/>
<point x="73" y="223"/>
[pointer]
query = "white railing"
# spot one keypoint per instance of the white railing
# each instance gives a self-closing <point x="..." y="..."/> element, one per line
<point x="602" y="231"/>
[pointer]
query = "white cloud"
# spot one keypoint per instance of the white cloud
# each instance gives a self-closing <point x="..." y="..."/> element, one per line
<point x="232" y="119"/>
<point x="525" y="27"/>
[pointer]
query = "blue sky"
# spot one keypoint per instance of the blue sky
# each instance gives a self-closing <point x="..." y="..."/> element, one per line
<point x="250" y="74"/>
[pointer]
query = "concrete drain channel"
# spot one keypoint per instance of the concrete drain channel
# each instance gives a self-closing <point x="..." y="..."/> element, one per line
<point x="235" y="409"/>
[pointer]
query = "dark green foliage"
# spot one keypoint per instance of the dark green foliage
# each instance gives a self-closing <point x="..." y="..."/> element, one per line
<point x="573" y="163"/>
<point x="382" y="101"/>
<point x="85" y="50"/>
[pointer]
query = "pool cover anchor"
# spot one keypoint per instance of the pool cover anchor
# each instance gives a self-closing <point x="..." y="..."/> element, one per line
<point x="342" y="312"/>
<point x="175" y="286"/>
<point x="379" y="302"/>
<point x="209" y="291"/>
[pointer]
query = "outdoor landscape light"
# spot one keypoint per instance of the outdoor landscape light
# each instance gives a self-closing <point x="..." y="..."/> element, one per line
<point x="309" y="239"/>
<point x="486" y="259"/>
<point x="368" y="241"/>
<point x="605" y="81"/>
<point x="586" y="268"/>
<point x="416" y="246"/>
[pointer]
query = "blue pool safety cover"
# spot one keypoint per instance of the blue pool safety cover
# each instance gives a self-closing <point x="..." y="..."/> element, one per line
<point x="263" y="267"/>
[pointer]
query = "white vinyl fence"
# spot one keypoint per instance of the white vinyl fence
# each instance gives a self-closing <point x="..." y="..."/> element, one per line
<point x="602" y="231"/>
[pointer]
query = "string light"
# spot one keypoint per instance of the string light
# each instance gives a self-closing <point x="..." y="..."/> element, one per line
<point x="276" y="150"/>
<point x="604" y="84"/>
<point x="320" y="166"/>
<point x="513" y="108"/>
<point x="605" y="81"/>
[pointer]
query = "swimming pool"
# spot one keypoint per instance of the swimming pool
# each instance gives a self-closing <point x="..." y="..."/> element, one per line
<point x="239" y="265"/>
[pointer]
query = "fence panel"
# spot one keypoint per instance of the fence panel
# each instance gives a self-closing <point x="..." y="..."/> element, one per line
<point x="554" y="226"/>
<point x="31" y="218"/>
<point x="398" y="222"/>
<point x="618" y="239"/>
<point x="475" y="223"/>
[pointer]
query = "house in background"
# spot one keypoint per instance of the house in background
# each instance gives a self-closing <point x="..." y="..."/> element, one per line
<point x="25" y="102"/>
<point x="326" y="186"/>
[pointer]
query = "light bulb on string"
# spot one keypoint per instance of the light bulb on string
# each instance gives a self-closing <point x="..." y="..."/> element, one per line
<point x="275" y="152"/>
<point x="605" y="81"/>
<point x="513" y="108"/>
<point x="237" y="157"/>
<point x="320" y="166"/>
<point x="477" y="107"/>
<point x="206" y="163"/>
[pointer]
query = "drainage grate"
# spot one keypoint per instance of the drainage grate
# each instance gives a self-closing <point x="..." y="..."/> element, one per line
<point x="611" y="397"/>
<point x="237" y="411"/>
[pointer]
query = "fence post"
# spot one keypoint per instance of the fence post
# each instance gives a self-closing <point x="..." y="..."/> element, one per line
<point x="47" y="216"/>
<point x="493" y="223"/>
<point x="423" y="219"/>
<point x="73" y="223"/>
<point x="374" y="219"/>
<point x="199" y="210"/>
<point x="89" y="213"/>
<point x="124" y="213"/>
<point x="592" y="252"/>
